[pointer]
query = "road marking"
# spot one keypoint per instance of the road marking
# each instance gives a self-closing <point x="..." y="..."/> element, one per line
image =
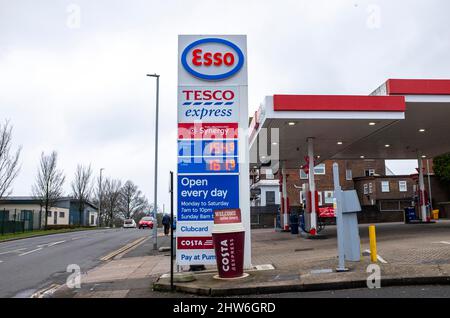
<point x="55" y="243"/>
<point x="46" y="292"/>
<point x="123" y="249"/>
<point x="382" y="260"/>
<point x="119" y="256"/>
<point x="13" y="251"/>
<point x="26" y="253"/>
<point x="442" y="242"/>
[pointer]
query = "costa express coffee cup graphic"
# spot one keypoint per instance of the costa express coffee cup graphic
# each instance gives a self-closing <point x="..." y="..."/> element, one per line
<point x="228" y="236"/>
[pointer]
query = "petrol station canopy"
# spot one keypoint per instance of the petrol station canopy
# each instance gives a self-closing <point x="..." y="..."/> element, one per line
<point x="402" y="119"/>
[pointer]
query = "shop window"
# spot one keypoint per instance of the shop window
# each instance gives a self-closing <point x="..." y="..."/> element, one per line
<point x="349" y="175"/>
<point x="303" y="175"/>
<point x="318" y="170"/>
<point x="403" y="186"/>
<point x="329" y="197"/>
<point x="385" y="186"/>
<point x="270" y="198"/>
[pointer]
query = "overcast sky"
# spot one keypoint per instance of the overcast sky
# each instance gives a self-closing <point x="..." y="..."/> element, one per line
<point x="72" y="73"/>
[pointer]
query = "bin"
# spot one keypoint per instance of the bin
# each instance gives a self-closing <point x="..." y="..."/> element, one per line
<point x="436" y="214"/>
<point x="410" y="214"/>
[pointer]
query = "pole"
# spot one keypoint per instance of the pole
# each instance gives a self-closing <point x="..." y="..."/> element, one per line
<point x="312" y="187"/>
<point x="339" y="220"/>
<point x="155" y="201"/>
<point x="423" y="207"/>
<point x="100" y="199"/>
<point x="171" y="231"/>
<point x="373" y="244"/>
<point x="284" y="220"/>
<point x="429" y="185"/>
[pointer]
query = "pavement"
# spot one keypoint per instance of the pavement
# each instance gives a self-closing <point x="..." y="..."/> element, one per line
<point x="31" y="264"/>
<point x="416" y="254"/>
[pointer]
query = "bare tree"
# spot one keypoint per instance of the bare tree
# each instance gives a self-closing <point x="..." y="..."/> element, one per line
<point x="137" y="216"/>
<point x="110" y="200"/>
<point x="82" y="188"/>
<point x="132" y="200"/>
<point x="9" y="161"/>
<point x="49" y="182"/>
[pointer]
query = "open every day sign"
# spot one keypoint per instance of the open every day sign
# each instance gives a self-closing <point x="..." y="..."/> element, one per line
<point x="200" y="196"/>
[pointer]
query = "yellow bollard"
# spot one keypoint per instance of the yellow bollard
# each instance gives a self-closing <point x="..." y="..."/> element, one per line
<point x="373" y="244"/>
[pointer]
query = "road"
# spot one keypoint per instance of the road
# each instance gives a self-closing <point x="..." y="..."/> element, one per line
<point x="433" y="291"/>
<point x="29" y="265"/>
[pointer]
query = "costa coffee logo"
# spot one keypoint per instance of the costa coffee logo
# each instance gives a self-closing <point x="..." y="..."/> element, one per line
<point x="212" y="59"/>
<point x="193" y="243"/>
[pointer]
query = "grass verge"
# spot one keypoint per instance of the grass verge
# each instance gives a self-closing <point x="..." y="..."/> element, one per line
<point x="16" y="236"/>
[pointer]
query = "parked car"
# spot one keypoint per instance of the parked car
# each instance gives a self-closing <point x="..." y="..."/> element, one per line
<point x="146" y="222"/>
<point x="129" y="224"/>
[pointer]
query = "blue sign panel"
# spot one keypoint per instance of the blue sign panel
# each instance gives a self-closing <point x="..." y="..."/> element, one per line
<point x="220" y="148"/>
<point x="208" y="165"/>
<point x="200" y="196"/>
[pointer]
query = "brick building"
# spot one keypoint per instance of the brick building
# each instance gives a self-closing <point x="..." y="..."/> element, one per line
<point x="383" y="196"/>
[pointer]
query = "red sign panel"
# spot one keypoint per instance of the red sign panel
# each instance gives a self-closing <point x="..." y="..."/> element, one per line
<point x="208" y="131"/>
<point x="195" y="243"/>
<point x="227" y="216"/>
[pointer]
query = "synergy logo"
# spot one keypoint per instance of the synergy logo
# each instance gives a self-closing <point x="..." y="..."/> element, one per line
<point x="212" y="59"/>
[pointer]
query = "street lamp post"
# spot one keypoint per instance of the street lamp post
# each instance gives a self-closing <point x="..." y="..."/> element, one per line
<point x="155" y="202"/>
<point x="100" y="198"/>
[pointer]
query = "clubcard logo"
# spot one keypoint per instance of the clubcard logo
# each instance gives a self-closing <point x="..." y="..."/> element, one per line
<point x="212" y="59"/>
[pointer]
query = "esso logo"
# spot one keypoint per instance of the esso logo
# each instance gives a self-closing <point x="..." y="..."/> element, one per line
<point x="212" y="59"/>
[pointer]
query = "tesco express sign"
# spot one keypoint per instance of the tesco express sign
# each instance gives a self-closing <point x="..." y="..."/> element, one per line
<point x="212" y="59"/>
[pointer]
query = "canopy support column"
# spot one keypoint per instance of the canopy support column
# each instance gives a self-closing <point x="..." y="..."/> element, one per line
<point x="312" y="186"/>
<point x="422" y="198"/>
<point x="284" y="211"/>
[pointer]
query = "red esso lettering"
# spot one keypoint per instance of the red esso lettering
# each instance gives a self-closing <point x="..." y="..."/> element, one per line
<point x="200" y="58"/>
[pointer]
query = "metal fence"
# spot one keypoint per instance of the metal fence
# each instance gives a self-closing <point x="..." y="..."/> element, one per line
<point x="17" y="221"/>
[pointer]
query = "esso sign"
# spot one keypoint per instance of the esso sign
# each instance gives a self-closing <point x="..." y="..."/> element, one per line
<point x="212" y="59"/>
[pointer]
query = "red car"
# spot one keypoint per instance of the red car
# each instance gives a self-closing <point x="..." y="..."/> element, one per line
<point x="146" y="222"/>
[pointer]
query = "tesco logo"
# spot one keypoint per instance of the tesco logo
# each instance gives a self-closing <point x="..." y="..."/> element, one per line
<point x="200" y="95"/>
<point x="212" y="59"/>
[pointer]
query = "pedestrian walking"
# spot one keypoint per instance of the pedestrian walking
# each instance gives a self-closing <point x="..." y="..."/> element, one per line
<point x="166" y="223"/>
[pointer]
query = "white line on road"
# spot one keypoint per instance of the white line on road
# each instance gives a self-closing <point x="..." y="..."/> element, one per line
<point x="382" y="260"/>
<point x="442" y="242"/>
<point x="55" y="243"/>
<point x="13" y="251"/>
<point x="29" y="252"/>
